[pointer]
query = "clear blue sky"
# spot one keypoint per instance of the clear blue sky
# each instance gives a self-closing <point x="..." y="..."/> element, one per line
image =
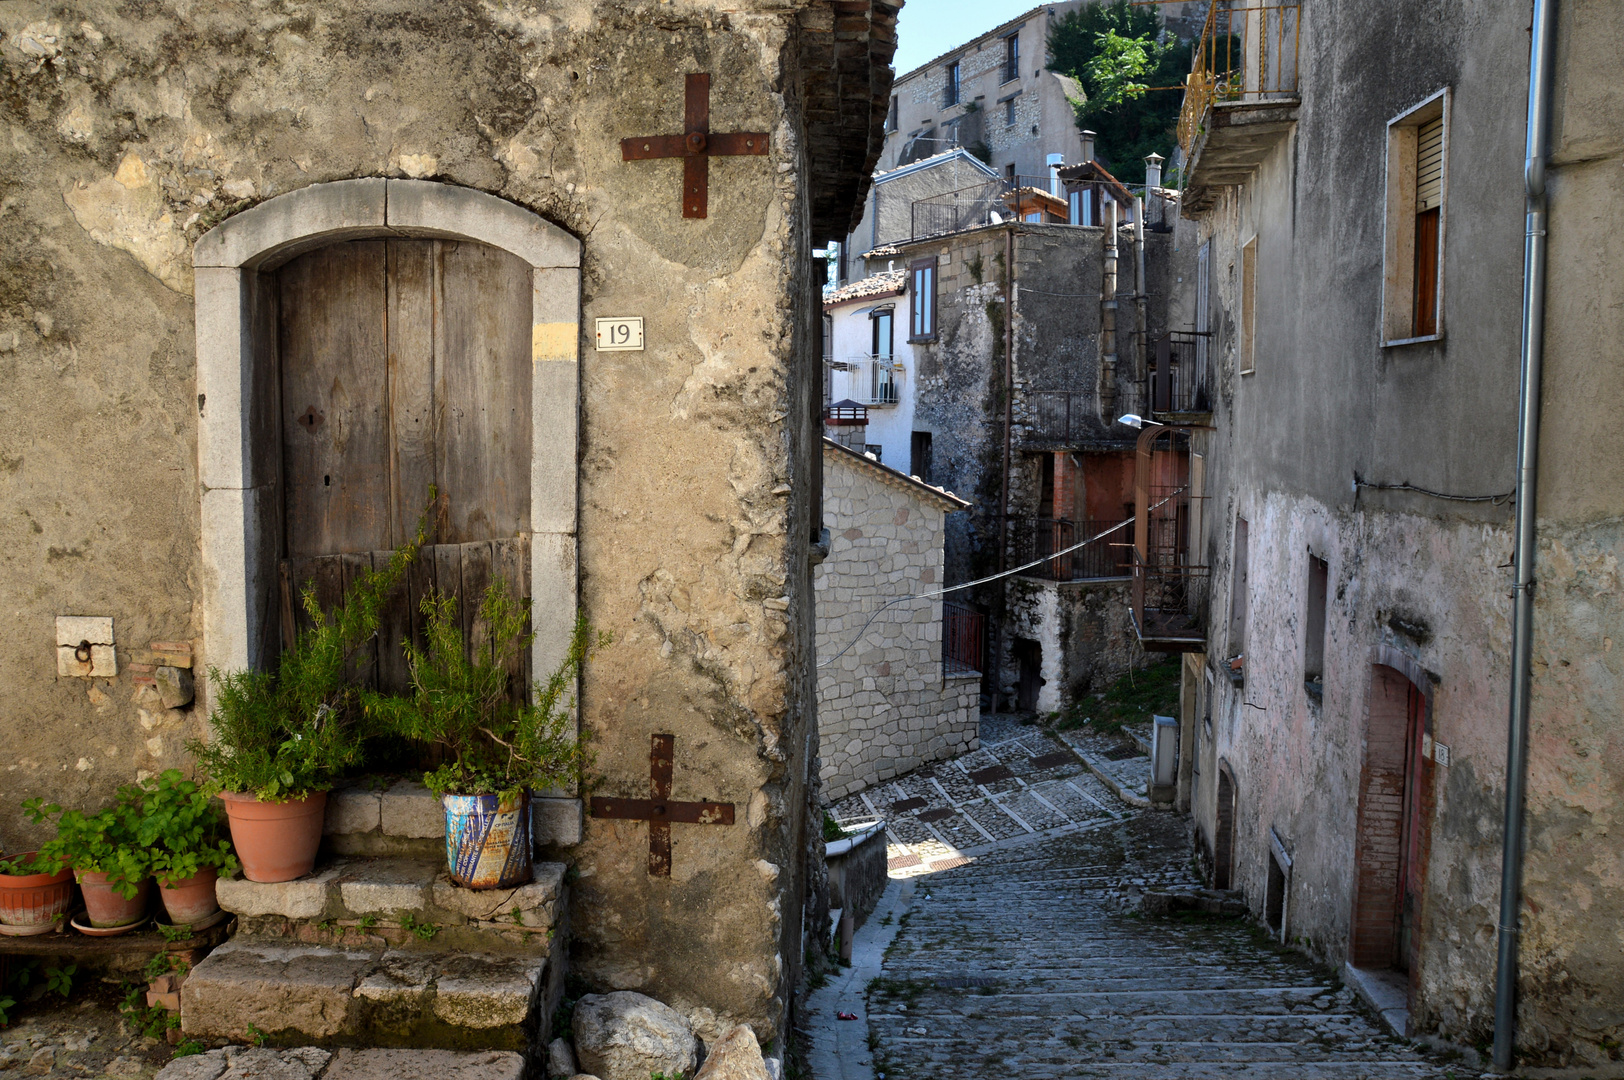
<point x="928" y="28"/>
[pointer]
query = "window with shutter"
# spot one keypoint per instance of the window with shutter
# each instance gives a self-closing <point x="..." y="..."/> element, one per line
<point x="922" y="301"/>
<point x="1417" y="189"/>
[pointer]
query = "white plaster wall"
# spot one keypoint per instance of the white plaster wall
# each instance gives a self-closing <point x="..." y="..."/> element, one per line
<point x="889" y="426"/>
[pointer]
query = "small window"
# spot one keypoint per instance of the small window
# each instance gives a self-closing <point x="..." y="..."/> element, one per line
<point x="1417" y="179"/>
<point x="922" y="302"/>
<point x="919" y="456"/>
<point x="1249" y="307"/>
<point x="874" y="448"/>
<point x="1319" y="577"/>
<point x="891" y="117"/>
<point x="1009" y="174"/>
<point x="1238" y="591"/>
<point x="1012" y="57"/>
<point x="1009" y="113"/>
<point x="950" y="94"/>
<point x="1074" y="200"/>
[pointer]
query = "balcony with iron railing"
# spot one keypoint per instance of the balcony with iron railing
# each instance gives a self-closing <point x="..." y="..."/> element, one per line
<point x="1169" y="591"/>
<point x="1102" y="556"/>
<point x="1241" y="96"/>
<point x="865" y="379"/>
<point x="1178" y="377"/>
<point x="1042" y="200"/>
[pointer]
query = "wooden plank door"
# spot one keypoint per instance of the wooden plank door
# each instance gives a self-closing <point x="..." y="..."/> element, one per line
<point x="1416" y="832"/>
<point x="405" y="364"/>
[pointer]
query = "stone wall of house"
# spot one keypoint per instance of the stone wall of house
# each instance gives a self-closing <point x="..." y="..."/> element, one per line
<point x="132" y="131"/>
<point x="885" y="706"/>
<point x="1084" y="631"/>
<point x="1417" y="583"/>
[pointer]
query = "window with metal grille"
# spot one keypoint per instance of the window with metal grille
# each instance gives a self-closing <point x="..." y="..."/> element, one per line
<point x="1012" y="57"/>
<point x="950" y="93"/>
<point x="1417" y="198"/>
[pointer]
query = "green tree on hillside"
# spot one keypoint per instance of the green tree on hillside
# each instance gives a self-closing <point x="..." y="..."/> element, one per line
<point x="1118" y="52"/>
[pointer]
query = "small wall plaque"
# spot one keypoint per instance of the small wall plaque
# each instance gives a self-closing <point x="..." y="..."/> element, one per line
<point x="620" y="335"/>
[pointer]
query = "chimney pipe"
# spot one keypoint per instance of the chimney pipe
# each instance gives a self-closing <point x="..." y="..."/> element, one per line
<point x="1153" y="180"/>
<point x="1088" y="146"/>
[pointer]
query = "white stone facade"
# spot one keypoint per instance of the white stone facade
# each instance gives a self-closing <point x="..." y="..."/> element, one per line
<point x="885" y="706"/>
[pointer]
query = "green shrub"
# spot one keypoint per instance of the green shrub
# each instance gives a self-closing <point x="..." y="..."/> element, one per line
<point x="106" y="842"/>
<point x="181" y="826"/>
<point x="283" y="734"/>
<point x="494" y="743"/>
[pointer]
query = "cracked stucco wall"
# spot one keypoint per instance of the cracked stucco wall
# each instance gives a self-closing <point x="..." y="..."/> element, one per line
<point x="132" y="129"/>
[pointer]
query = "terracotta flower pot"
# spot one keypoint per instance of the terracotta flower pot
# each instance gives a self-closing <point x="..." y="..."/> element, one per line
<point x="487" y="841"/>
<point x="34" y="899"/>
<point x="106" y="906"/>
<point x="276" y="841"/>
<point x="190" y="900"/>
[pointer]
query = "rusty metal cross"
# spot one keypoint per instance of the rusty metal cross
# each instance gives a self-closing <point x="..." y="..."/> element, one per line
<point x="661" y="811"/>
<point x="695" y="146"/>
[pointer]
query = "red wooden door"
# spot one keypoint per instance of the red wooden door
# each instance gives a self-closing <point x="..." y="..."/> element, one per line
<point x="404" y="364"/>
<point x="1416" y="832"/>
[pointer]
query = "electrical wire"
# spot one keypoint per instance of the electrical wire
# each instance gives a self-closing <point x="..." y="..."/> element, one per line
<point x="1498" y="500"/>
<point x="982" y="581"/>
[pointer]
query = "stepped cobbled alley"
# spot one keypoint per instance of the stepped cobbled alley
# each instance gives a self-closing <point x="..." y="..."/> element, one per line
<point x="1024" y="952"/>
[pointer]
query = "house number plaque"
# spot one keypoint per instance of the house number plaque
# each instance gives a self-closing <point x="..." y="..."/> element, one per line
<point x="620" y="335"/>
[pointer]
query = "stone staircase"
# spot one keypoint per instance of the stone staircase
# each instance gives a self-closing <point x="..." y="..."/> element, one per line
<point x="377" y="947"/>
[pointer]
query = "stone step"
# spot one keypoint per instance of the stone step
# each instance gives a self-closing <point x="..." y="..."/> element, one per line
<point x="295" y="995"/>
<point x="403" y="818"/>
<point x="401" y="903"/>
<point x="314" y="1063"/>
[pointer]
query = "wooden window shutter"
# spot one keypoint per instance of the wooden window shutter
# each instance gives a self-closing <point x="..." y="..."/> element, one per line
<point x="1429" y="165"/>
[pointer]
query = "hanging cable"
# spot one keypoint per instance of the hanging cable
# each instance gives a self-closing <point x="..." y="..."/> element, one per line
<point x="1498" y="500"/>
<point x="982" y="581"/>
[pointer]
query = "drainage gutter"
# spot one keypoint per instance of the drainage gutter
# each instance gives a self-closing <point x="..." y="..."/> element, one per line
<point x="1541" y="57"/>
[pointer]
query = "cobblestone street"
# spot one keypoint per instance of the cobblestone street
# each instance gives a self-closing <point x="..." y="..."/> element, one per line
<point x="1017" y="955"/>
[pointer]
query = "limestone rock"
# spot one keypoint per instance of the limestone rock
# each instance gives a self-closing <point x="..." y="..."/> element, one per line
<point x="41" y="1063"/>
<point x="627" y="1036"/>
<point x="424" y="1065"/>
<point x="197" y="1067"/>
<point x="736" y="1056"/>
<point x="262" y="1063"/>
<point x="560" y="1060"/>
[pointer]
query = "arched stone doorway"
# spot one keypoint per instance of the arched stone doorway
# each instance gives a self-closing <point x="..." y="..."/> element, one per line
<point x="438" y="327"/>
<point x="1223" y="840"/>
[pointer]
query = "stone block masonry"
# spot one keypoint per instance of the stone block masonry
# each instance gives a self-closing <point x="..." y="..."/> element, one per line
<point x="886" y="703"/>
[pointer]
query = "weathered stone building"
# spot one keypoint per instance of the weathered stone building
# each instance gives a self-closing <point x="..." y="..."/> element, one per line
<point x="231" y="238"/>
<point x="890" y="696"/>
<point x="1361" y="230"/>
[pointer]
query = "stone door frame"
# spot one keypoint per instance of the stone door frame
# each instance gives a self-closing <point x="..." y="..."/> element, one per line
<point x="238" y="396"/>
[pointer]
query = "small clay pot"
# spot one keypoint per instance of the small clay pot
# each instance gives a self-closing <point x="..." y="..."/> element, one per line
<point x="190" y="900"/>
<point x="276" y="841"/>
<point x="106" y="906"/>
<point x="34" y="899"/>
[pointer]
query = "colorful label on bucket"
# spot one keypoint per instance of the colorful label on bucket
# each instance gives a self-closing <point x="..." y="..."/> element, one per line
<point x="487" y="841"/>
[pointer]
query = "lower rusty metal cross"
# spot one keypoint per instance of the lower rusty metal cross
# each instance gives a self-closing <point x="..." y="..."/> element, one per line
<point x="660" y="811"/>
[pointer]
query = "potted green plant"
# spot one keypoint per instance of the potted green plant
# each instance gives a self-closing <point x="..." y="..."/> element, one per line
<point x="110" y="863"/>
<point x="34" y="897"/>
<point x="183" y="832"/>
<point x="280" y="738"/>
<point x="497" y="746"/>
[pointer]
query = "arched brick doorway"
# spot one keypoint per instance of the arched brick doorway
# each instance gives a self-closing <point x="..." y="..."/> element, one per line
<point x="1395" y="817"/>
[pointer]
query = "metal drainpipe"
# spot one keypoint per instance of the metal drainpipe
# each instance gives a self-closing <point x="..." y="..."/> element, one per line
<point x="1108" y="309"/>
<point x="1139" y="289"/>
<point x="1009" y="412"/>
<point x="1522" y="620"/>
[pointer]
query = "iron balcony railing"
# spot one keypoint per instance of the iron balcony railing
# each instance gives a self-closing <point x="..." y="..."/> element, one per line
<point x="1177" y="377"/>
<point x="870" y="379"/>
<point x="1040" y="199"/>
<point x="1169" y="578"/>
<point x="1106" y="557"/>
<point x="1245" y="54"/>
<point x="963" y="639"/>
